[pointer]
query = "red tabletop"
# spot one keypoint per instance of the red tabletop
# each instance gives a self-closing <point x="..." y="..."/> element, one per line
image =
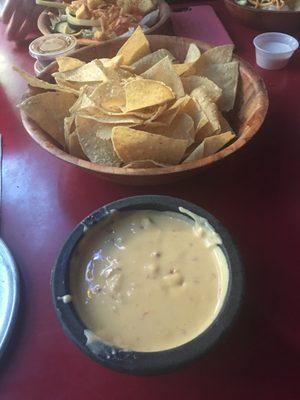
<point x="255" y="193"/>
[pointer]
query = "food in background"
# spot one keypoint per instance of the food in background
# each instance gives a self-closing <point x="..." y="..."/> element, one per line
<point x="100" y="20"/>
<point x="272" y="5"/>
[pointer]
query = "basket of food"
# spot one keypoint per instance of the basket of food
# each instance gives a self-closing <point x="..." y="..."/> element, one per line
<point x="267" y="15"/>
<point x="145" y="110"/>
<point x="94" y="21"/>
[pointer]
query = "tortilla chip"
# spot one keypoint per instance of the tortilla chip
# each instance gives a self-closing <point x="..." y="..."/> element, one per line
<point x="104" y="131"/>
<point x="141" y="93"/>
<point x="95" y="114"/>
<point x="225" y="126"/>
<point x="215" y="55"/>
<point x="152" y="127"/>
<point x="135" y="145"/>
<point x="189" y="66"/>
<point x="136" y="47"/>
<point x="181" y="69"/>
<point x="38" y="83"/>
<point x="182" y="127"/>
<point x="68" y="63"/>
<point x="209" y="88"/>
<point x="151" y="59"/>
<point x="143" y="114"/>
<point x="74" y="146"/>
<point x="211" y="112"/>
<point x="109" y="95"/>
<point x="203" y="122"/>
<point x="164" y="72"/>
<point x="159" y="111"/>
<point x="226" y="77"/>
<point x="49" y="110"/>
<point x="193" y="54"/>
<point x="111" y="62"/>
<point x="86" y="90"/>
<point x="90" y="72"/>
<point x="97" y="150"/>
<point x="72" y="85"/>
<point x="193" y="109"/>
<point x="168" y="116"/>
<point x="117" y="74"/>
<point x="69" y="126"/>
<point x="209" y="146"/>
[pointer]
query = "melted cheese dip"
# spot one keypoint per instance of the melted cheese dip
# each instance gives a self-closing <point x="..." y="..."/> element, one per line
<point x="148" y="280"/>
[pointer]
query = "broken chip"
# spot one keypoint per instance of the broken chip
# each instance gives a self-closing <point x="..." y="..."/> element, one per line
<point x="39" y="83"/>
<point x="74" y="146"/>
<point x="215" y="55"/>
<point x="141" y="93"/>
<point x="164" y="72"/>
<point x="136" y="47"/>
<point x="182" y="127"/>
<point x="208" y="87"/>
<point x="68" y="63"/>
<point x="151" y="59"/>
<point x="90" y="72"/>
<point x="134" y="145"/>
<point x="226" y="77"/>
<point x="96" y="149"/>
<point x="209" y="146"/>
<point x="212" y="114"/>
<point x="189" y="66"/>
<point x="37" y="108"/>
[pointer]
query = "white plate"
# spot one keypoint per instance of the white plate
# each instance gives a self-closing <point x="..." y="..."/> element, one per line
<point x="9" y="295"/>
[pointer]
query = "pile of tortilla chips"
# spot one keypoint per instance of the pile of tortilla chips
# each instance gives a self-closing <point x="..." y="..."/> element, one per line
<point x="139" y="109"/>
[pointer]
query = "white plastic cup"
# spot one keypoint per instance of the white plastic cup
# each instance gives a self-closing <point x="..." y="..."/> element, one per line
<point x="46" y="48"/>
<point x="274" y="49"/>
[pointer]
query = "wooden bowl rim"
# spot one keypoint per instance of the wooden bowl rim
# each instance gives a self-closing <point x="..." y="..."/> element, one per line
<point x="262" y="11"/>
<point x="162" y="4"/>
<point x="44" y="140"/>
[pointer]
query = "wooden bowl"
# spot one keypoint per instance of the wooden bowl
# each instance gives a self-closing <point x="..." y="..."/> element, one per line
<point x="246" y="118"/>
<point x="265" y="20"/>
<point x="162" y="27"/>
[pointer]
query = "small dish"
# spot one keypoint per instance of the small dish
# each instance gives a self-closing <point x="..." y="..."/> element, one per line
<point x="274" y="49"/>
<point x="134" y="362"/>
<point x="46" y="48"/>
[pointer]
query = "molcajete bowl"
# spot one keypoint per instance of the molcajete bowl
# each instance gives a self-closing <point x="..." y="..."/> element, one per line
<point x="136" y="362"/>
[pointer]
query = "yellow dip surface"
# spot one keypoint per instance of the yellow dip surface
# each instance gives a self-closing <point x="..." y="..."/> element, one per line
<point x="148" y="280"/>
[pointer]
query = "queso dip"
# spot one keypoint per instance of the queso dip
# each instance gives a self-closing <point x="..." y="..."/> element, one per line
<point x="149" y="280"/>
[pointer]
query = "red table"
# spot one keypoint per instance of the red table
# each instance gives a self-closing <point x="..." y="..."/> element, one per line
<point x="255" y="193"/>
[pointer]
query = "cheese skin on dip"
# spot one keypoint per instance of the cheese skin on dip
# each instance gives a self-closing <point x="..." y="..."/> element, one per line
<point x="148" y="280"/>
